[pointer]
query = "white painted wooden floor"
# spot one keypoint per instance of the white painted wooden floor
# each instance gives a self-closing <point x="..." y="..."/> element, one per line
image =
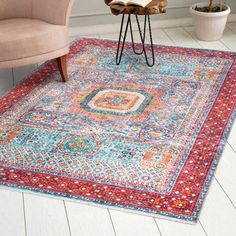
<point x="23" y="214"/>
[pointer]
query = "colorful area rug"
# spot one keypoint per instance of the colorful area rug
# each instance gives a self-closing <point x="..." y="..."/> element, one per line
<point x="142" y="139"/>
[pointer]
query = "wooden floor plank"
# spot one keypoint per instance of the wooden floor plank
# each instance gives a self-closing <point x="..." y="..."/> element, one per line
<point x="20" y="73"/>
<point x="6" y="81"/>
<point x="218" y="216"/>
<point x="160" y="37"/>
<point x="181" y="38"/>
<point x="232" y="137"/>
<point x="11" y="213"/>
<point x="127" y="224"/>
<point x="215" y="45"/>
<point x="72" y="38"/>
<point x="232" y="26"/>
<point x="170" y="228"/>
<point x="88" y="220"/>
<point x="45" y="216"/>
<point x="114" y="36"/>
<point x="229" y="39"/>
<point x="227" y="165"/>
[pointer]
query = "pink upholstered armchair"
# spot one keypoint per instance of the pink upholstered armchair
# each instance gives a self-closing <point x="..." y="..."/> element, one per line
<point x="32" y="31"/>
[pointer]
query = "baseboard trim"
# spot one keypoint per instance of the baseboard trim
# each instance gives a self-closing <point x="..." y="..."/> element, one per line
<point x="114" y="28"/>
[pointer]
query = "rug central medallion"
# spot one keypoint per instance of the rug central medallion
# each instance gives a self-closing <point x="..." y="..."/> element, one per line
<point x="117" y="101"/>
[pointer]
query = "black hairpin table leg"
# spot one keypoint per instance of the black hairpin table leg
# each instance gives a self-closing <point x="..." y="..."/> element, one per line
<point x="142" y="37"/>
<point x="147" y="18"/>
<point x="120" y="48"/>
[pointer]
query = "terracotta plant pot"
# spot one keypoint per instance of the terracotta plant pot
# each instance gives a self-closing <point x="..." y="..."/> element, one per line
<point x="209" y="26"/>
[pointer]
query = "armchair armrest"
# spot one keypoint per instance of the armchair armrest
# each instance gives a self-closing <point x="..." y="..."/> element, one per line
<point x="52" y="11"/>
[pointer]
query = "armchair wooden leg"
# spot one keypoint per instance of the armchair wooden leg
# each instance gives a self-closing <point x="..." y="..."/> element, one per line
<point x="62" y="65"/>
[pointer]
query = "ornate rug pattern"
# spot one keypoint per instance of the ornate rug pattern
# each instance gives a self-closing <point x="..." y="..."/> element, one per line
<point x="143" y="139"/>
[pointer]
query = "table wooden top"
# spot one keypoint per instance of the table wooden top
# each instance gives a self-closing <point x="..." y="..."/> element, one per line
<point x="154" y="7"/>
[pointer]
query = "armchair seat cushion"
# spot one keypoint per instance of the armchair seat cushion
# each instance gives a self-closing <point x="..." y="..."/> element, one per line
<point x="22" y="38"/>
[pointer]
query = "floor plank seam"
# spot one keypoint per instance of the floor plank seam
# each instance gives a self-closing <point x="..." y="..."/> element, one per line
<point x="193" y="38"/>
<point x="232" y="147"/>
<point x="202" y="227"/>
<point x="225" y="193"/>
<point x="230" y="29"/>
<point x="113" y="226"/>
<point x="225" y="45"/>
<point x="158" y="228"/>
<point x="67" y="218"/>
<point x="25" y="222"/>
<point x="164" y="30"/>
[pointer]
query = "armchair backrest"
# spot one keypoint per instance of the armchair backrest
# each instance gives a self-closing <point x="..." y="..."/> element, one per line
<point x="53" y="11"/>
<point x="15" y="8"/>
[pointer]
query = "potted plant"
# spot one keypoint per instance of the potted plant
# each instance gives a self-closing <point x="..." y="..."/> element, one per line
<point x="209" y="19"/>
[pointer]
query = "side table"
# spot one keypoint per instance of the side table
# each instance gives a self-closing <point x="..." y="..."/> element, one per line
<point x="154" y="7"/>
